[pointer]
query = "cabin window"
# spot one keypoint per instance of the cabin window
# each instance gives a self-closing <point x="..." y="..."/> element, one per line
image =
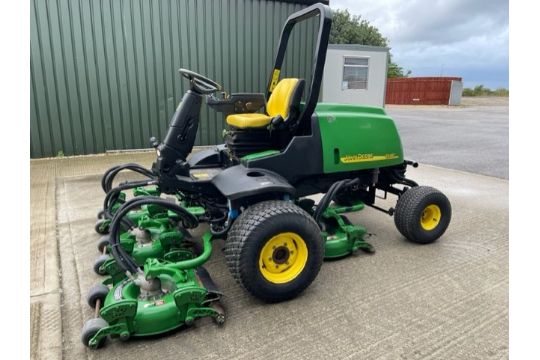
<point x="355" y="73"/>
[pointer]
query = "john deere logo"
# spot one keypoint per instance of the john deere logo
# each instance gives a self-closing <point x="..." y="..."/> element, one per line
<point x="349" y="159"/>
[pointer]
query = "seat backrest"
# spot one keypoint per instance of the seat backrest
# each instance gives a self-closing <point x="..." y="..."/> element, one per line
<point x="285" y="98"/>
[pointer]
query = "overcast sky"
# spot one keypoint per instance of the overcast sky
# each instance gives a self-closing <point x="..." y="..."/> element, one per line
<point x="467" y="38"/>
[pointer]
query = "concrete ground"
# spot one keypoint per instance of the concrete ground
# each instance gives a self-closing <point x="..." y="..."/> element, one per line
<point x="472" y="137"/>
<point x="447" y="300"/>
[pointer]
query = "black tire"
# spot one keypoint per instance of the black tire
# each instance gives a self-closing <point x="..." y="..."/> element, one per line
<point x="102" y="226"/>
<point x="412" y="209"/>
<point x="97" y="292"/>
<point x="100" y="261"/>
<point x="90" y="328"/>
<point x="100" y="214"/>
<point x="102" y="243"/>
<point x="258" y="226"/>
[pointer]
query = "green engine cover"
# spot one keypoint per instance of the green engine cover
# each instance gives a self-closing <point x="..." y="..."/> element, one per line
<point x="357" y="137"/>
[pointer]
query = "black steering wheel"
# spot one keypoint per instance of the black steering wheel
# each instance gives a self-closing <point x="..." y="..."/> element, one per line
<point x="199" y="83"/>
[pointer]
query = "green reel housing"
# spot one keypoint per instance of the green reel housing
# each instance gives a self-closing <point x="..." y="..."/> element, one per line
<point x="166" y="296"/>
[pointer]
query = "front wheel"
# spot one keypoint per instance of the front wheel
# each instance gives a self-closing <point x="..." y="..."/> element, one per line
<point x="102" y="259"/>
<point x="422" y="214"/>
<point x="102" y="226"/>
<point x="90" y="329"/>
<point x="274" y="250"/>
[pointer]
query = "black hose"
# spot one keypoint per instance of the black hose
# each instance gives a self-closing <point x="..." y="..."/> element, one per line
<point x="108" y="177"/>
<point x="113" y="195"/>
<point x="330" y="194"/>
<point x="124" y="260"/>
<point x="105" y="176"/>
<point x="325" y="201"/>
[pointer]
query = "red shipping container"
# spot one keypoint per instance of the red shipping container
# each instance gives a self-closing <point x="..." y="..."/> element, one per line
<point x="419" y="90"/>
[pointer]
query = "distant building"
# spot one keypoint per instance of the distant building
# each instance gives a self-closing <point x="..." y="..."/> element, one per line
<point x="355" y="74"/>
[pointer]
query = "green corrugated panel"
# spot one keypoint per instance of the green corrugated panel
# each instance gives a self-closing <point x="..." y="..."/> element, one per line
<point x="104" y="72"/>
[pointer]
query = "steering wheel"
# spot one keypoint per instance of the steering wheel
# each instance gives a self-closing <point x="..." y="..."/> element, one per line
<point x="199" y="83"/>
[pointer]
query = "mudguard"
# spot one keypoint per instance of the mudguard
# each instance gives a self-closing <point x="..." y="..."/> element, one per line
<point x="239" y="181"/>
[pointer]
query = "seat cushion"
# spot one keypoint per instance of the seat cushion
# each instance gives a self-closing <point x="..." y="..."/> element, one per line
<point x="252" y="120"/>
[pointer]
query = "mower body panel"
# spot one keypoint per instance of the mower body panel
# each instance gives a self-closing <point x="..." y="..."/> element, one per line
<point x="357" y="138"/>
<point x="239" y="182"/>
<point x="300" y="159"/>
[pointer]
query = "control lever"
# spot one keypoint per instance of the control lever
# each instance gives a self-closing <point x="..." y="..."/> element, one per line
<point x="154" y="142"/>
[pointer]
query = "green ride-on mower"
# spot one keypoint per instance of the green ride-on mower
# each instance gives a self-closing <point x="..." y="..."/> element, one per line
<point x="255" y="192"/>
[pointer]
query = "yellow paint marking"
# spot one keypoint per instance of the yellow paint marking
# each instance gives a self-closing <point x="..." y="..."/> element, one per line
<point x="275" y="79"/>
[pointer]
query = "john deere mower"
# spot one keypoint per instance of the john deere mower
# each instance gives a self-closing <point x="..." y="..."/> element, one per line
<point x="256" y="192"/>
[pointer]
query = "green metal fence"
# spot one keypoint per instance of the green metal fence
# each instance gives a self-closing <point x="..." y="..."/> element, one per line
<point x="104" y="72"/>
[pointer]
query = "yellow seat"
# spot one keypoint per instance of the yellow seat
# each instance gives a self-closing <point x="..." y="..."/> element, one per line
<point x="280" y="102"/>
<point x="251" y="120"/>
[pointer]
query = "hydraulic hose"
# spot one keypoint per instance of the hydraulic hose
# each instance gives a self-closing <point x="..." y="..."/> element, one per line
<point x="330" y="194"/>
<point x="105" y="176"/>
<point x="124" y="260"/>
<point x="108" y="177"/>
<point x="113" y="195"/>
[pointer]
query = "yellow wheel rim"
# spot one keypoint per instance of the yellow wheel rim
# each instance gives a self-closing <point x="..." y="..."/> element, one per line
<point x="430" y="217"/>
<point x="283" y="258"/>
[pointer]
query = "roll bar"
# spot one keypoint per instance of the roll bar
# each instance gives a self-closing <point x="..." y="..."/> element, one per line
<point x="325" y="23"/>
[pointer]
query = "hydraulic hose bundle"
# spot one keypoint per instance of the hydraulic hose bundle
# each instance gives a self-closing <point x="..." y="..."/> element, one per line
<point x="108" y="177"/>
<point x="113" y="194"/>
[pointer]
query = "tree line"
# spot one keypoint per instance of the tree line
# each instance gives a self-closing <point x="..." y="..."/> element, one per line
<point x="352" y="29"/>
<point x="480" y="90"/>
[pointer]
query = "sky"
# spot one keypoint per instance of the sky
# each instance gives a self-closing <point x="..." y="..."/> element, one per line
<point x="466" y="38"/>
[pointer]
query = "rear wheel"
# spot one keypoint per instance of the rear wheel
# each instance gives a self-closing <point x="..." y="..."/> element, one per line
<point x="422" y="214"/>
<point x="274" y="250"/>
